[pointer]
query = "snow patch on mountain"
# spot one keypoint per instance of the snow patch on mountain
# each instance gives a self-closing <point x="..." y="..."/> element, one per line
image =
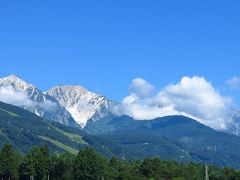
<point x="14" y="90"/>
<point x="81" y="103"/>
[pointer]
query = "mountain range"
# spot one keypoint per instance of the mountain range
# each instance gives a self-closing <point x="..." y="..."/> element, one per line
<point x="24" y="129"/>
<point x="68" y="118"/>
<point x="69" y="105"/>
<point x="170" y="138"/>
<point x="197" y="141"/>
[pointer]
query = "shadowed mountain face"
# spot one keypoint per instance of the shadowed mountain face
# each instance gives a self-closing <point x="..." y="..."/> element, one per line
<point x="24" y="129"/>
<point x="201" y="142"/>
<point x="175" y="137"/>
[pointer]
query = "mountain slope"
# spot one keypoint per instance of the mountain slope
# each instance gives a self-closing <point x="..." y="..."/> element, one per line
<point x="27" y="96"/>
<point x="203" y="143"/>
<point x="177" y="138"/>
<point x="81" y="103"/>
<point x="24" y="129"/>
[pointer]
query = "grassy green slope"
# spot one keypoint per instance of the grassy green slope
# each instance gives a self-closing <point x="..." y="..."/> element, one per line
<point x="23" y="130"/>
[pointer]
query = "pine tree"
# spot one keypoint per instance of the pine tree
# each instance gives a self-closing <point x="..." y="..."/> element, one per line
<point x="89" y="165"/>
<point x="26" y="168"/>
<point x="36" y="164"/>
<point x="9" y="161"/>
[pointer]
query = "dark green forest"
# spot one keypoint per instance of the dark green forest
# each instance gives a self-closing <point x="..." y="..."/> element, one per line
<point x="40" y="164"/>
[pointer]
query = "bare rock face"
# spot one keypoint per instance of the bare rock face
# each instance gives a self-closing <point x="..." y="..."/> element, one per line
<point x="14" y="90"/>
<point x="81" y="103"/>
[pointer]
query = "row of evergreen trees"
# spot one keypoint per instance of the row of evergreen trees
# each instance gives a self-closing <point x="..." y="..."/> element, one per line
<point x="39" y="164"/>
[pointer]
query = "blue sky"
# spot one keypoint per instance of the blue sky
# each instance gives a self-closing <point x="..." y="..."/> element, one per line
<point x="103" y="45"/>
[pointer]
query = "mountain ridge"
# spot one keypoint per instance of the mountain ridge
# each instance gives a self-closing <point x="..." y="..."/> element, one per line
<point x="203" y="143"/>
<point x="24" y="129"/>
<point x="68" y="104"/>
<point x="173" y="137"/>
<point x="81" y="103"/>
<point x="75" y="109"/>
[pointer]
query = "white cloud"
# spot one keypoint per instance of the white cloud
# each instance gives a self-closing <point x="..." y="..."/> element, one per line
<point x="234" y="82"/>
<point x="141" y="87"/>
<point x="18" y="98"/>
<point x="194" y="97"/>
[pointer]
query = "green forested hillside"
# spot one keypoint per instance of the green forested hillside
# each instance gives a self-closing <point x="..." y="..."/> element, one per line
<point x="198" y="142"/>
<point x="39" y="164"/>
<point x="23" y="130"/>
<point x="170" y="138"/>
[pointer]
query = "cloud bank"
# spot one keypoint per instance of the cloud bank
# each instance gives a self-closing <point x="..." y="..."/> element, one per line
<point x="194" y="97"/>
<point x="20" y="98"/>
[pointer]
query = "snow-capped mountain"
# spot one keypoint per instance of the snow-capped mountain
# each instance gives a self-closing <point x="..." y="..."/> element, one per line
<point x="81" y="103"/>
<point x="14" y="90"/>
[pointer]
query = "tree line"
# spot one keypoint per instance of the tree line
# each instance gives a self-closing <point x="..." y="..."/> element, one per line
<point x="40" y="164"/>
